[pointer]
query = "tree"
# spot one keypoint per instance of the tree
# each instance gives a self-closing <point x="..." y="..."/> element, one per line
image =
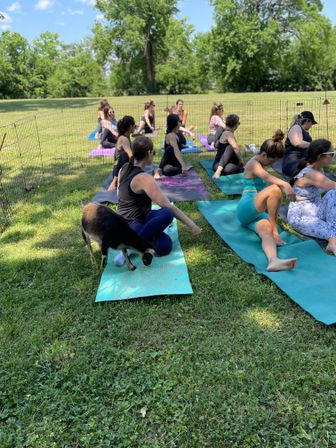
<point x="133" y="36"/>
<point x="77" y="74"/>
<point x="15" y="71"/>
<point x="45" y="54"/>
<point x="177" y="72"/>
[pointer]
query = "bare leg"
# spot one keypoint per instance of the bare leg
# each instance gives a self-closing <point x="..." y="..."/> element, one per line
<point x="269" y="199"/>
<point x="265" y="230"/>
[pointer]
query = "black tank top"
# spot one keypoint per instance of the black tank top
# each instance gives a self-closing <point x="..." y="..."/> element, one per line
<point x="132" y="206"/>
<point x="290" y="148"/>
<point x="169" y="156"/>
<point x="221" y="147"/>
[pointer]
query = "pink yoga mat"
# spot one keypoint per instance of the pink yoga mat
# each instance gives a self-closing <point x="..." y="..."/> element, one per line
<point x="204" y="141"/>
<point x="97" y="152"/>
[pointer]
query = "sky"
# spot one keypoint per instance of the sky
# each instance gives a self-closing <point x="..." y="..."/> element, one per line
<point x="73" y="19"/>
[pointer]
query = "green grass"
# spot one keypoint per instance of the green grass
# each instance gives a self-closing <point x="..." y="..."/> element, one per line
<point x="237" y="364"/>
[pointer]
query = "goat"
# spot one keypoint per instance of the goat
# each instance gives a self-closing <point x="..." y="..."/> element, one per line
<point x="109" y="229"/>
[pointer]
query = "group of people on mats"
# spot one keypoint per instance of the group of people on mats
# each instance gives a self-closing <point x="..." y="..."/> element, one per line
<point x="304" y="161"/>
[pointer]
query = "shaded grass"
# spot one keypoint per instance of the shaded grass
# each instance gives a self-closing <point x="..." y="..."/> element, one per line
<point x="235" y="365"/>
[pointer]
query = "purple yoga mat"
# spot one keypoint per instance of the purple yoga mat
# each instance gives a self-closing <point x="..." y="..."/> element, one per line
<point x="204" y="141"/>
<point x="184" y="187"/>
<point x="99" y="151"/>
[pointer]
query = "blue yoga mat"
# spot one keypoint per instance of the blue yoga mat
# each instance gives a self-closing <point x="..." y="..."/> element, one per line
<point x="92" y="136"/>
<point x="190" y="148"/>
<point x="311" y="284"/>
<point x="232" y="184"/>
<point x="165" y="276"/>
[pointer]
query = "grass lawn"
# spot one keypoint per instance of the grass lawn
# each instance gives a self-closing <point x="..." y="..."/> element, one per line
<point x="237" y="364"/>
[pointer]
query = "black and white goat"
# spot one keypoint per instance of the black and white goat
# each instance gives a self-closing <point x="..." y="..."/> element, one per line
<point x="108" y="229"/>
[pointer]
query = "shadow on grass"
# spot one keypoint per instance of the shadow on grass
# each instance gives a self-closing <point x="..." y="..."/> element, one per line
<point x="33" y="105"/>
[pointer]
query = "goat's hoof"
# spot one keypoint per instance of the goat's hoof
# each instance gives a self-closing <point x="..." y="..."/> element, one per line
<point x="147" y="258"/>
<point x="132" y="267"/>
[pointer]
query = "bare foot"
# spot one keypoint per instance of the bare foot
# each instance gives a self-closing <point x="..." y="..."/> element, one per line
<point x="331" y="248"/>
<point x="278" y="264"/>
<point x="278" y="241"/>
<point x="216" y="176"/>
<point x="157" y="174"/>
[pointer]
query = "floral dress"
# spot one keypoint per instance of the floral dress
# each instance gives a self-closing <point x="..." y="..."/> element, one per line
<point x="314" y="216"/>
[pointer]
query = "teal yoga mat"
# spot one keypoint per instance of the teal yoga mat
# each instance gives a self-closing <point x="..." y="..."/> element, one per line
<point x="165" y="276"/>
<point x="232" y="184"/>
<point x="311" y="284"/>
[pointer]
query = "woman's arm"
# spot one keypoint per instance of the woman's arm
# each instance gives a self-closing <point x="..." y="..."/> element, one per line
<point x="125" y="143"/>
<point x="145" y="183"/>
<point x="319" y="180"/>
<point x="184" y="118"/>
<point x="258" y="171"/>
<point x="295" y="137"/>
<point x="107" y="124"/>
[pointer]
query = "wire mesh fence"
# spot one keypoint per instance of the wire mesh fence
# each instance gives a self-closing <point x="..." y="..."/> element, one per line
<point x="40" y="147"/>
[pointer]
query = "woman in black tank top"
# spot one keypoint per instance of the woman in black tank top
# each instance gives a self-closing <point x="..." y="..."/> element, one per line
<point x="123" y="147"/>
<point x="172" y="162"/>
<point x="297" y="142"/>
<point x="136" y="191"/>
<point x="228" y="158"/>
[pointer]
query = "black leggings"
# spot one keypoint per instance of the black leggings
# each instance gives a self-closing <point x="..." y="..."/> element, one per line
<point x="170" y="170"/>
<point x="229" y="162"/>
<point x="108" y="140"/>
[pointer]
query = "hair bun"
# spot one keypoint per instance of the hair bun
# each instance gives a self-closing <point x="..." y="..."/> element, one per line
<point x="278" y="136"/>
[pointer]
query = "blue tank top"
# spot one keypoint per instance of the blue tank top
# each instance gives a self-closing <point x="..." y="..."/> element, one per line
<point x="254" y="185"/>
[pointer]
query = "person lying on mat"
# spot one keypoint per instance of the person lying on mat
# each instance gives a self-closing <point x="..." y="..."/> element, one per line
<point x="228" y="157"/>
<point x="136" y="191"/>
<point x="311" y="214"/>
<point x="297" y="142"/>
<point x="147" y="121"/>
<point x="109" y="133"/>
<point x="172" y="162"/>
<point x="178" y="110"/>
<point x="215" y="122"/>
<point x="258" y="198"/>
<point x="102" y="104"/>
<point x="123" y="147"/>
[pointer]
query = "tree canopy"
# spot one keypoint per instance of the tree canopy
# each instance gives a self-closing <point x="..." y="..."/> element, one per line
<point x="141" y="47"/>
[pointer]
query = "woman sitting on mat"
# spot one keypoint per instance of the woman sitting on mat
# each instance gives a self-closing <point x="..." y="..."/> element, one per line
<point x="228" y="158"/>
<point x="172" y="162"/>
<point x="136" y="192"/>
<point x="297" y="142"/>
<point x="215" y="122"/>
<point x="258" y="198"/>
<point x="102" y="104"/>
<point x="109" y="133"/>
<point x="311" y="214"/>
<point x="123" y="147"/>
<point x="147" y="121"/>
<point x="178" y="110"/>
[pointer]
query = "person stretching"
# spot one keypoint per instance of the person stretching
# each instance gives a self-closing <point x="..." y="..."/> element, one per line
<point x="172" y="162"/>
<point x="109" y="132"/>
<point x="228" y="158"/>
<point x="123" y="148"/>
<point x="136" y="191"/>
<point x="147" y="121"/>
<point x="311" y="214"/>
<point x="257" y="198"/>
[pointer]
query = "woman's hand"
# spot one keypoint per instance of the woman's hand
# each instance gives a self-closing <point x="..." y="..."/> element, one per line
<point x="195" y="230"/>
<point x="290" y="193"/>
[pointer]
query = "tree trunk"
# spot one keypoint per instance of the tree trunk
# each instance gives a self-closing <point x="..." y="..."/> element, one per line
<point x="149" y="64"/>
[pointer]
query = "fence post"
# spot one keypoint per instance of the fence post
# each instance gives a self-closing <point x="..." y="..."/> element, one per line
<point x="39" y="145"/>
<point x="20" y="154"/>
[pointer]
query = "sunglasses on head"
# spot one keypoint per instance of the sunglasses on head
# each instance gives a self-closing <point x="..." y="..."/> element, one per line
<point x="329" y="153"/>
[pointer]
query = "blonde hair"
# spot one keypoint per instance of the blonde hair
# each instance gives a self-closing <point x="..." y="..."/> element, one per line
<point x="216" y="107"/>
